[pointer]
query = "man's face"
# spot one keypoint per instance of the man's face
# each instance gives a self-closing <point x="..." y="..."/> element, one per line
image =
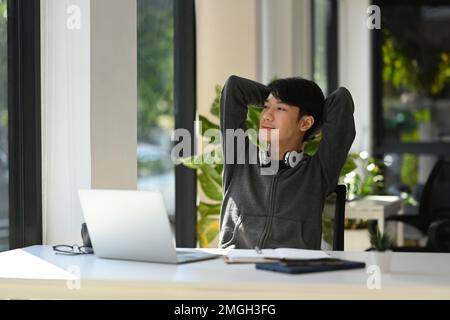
<point x="284" y="117"/>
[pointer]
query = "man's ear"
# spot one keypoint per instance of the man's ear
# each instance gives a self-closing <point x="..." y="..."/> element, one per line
<point x="305" y="123"/>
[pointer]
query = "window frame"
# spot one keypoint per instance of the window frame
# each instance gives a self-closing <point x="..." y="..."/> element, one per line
<point x="185" y="101"/>
<point x="24" y="123"/>
<point x="332" y="44"/>
<point x="380" y="147"/>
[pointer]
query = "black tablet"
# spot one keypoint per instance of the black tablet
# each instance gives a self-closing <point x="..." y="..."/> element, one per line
<point x="309" y="266"/>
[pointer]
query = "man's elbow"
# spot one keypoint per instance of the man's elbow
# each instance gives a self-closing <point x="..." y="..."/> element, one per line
<point x="231" y="81"/>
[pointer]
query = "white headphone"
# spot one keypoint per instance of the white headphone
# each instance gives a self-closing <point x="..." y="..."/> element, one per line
<point x="291" y="158"/>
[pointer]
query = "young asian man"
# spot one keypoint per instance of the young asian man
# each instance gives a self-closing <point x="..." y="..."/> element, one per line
<point x="283" y="209"/>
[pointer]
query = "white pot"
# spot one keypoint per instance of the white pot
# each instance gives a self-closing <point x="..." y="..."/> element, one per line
<point x="382" y="259"/>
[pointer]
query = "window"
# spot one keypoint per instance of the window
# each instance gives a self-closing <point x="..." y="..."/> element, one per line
<point x="324" y="44"/>
<point x="155" y="38"/>
<point x="411" y="90"/>
<point x="415" y="52"/>
<point x="4" y="171"/>
<point x="167" y="101"/>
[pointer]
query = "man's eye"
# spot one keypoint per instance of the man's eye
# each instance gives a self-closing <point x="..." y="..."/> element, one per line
<point x="281" y="109"/>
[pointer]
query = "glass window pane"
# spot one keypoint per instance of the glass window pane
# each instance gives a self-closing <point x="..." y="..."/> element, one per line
<point x="415" y="52"/>
<point x="155" y="98"/>
<point x="320" y="67"/>
<point x="416" y="73"/>
<point x="4" y="172"/>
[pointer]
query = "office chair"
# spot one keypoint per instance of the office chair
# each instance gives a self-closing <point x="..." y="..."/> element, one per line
<point x="339" y="217"/>
<point x="439" y="236"/>
<point x="434" y="204"/>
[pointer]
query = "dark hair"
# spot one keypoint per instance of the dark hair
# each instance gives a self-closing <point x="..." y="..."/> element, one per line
<point x="304" y="94"/>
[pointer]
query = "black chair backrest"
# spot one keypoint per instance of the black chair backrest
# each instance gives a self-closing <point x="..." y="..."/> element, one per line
<point x="439" y="236"/>
<point x="435" y="199"/>
<point x="339" y="218"/>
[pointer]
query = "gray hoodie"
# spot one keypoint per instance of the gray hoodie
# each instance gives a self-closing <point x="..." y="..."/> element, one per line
<point x="283" y="209"/>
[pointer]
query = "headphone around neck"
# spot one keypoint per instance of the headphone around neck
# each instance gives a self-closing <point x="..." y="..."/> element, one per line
<point x="290" y="159"/>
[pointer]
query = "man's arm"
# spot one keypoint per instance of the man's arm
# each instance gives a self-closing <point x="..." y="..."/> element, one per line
<point x="236" y="95"/>
<point x="338" y="133"/>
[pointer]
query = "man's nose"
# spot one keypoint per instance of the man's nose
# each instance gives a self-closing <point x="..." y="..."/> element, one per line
<point x="268" y="115"/>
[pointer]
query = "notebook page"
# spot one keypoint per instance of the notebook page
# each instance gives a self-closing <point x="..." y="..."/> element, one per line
<point x="298" y="254"/>
<point x="250" y="255"/>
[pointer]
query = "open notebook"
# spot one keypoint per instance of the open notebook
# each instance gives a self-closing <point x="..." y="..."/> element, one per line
<point x="268" y="255"/>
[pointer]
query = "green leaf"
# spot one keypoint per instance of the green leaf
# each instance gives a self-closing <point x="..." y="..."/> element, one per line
<point x="214" y="156"/>
<point x="211" y="188"/>
<point x="219" y="168"/>
<point x="215" y="107"/>
<point x="207" y="124"/>
<point x="211" y="173"/>
<point x="201" y="228"/>
<point x="209" y="209"/>
<point x="312" y="146"/>
<point x="194" y="162"/>
<point x="379" y="241"/>
<point x="253" y="116"/>
<point x="348" y="167"/>
<point x="212" y="230"/>
<point x="207" y="230"/>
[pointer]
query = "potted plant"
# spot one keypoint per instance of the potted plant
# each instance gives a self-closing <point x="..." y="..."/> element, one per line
<point x="380" y="253"/>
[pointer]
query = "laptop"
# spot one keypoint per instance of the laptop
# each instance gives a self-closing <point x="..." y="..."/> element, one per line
<point x="132" y="225"/>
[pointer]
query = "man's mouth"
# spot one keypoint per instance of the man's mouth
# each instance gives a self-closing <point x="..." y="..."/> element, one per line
<point x="267" y="127"/>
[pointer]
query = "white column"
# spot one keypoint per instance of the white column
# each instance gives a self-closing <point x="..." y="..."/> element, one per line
<point x="65" y="50"/>
<point x="114" y="94"/>
<point x="89" y="106"/>
<point x="285" y="43"/>
<point x="354" y="66"/>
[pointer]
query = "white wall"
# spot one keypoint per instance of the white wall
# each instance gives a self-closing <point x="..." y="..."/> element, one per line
<point x="354" y="66"/>
<point x="89" y="93"/>
<point x="226" y="44"/>
<point x="114" y="94"/>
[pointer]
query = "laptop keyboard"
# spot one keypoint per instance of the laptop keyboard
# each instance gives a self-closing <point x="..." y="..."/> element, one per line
<point x="193" y="255"/>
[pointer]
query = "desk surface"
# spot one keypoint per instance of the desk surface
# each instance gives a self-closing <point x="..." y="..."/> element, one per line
<point x="43" y="274"/>
<point x="384" y="205"/>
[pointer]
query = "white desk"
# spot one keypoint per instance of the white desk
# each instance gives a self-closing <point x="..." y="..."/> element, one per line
<point x="373" y="208"/>
<point x="43" y="275"/>
<point x="377" y="208"/>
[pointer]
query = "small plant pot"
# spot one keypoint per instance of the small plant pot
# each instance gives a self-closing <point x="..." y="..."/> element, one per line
<point x="382" y="259"/>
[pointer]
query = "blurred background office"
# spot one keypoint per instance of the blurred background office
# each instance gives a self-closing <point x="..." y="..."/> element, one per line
<point x="116" y="78"/>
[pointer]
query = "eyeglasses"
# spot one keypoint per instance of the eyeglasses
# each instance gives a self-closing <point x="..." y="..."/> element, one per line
<point x="72" y="250"/>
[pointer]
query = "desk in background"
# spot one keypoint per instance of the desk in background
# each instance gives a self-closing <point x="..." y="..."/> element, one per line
<point x="374" y="208"/>
<point x="36" y="272"/>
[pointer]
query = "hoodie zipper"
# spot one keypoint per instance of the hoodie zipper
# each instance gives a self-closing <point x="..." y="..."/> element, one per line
<point x="268" y="225"/>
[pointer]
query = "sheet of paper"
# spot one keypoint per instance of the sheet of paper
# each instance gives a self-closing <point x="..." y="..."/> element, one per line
<point x="300" y="254"/>
<point x="250" y="255"/>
